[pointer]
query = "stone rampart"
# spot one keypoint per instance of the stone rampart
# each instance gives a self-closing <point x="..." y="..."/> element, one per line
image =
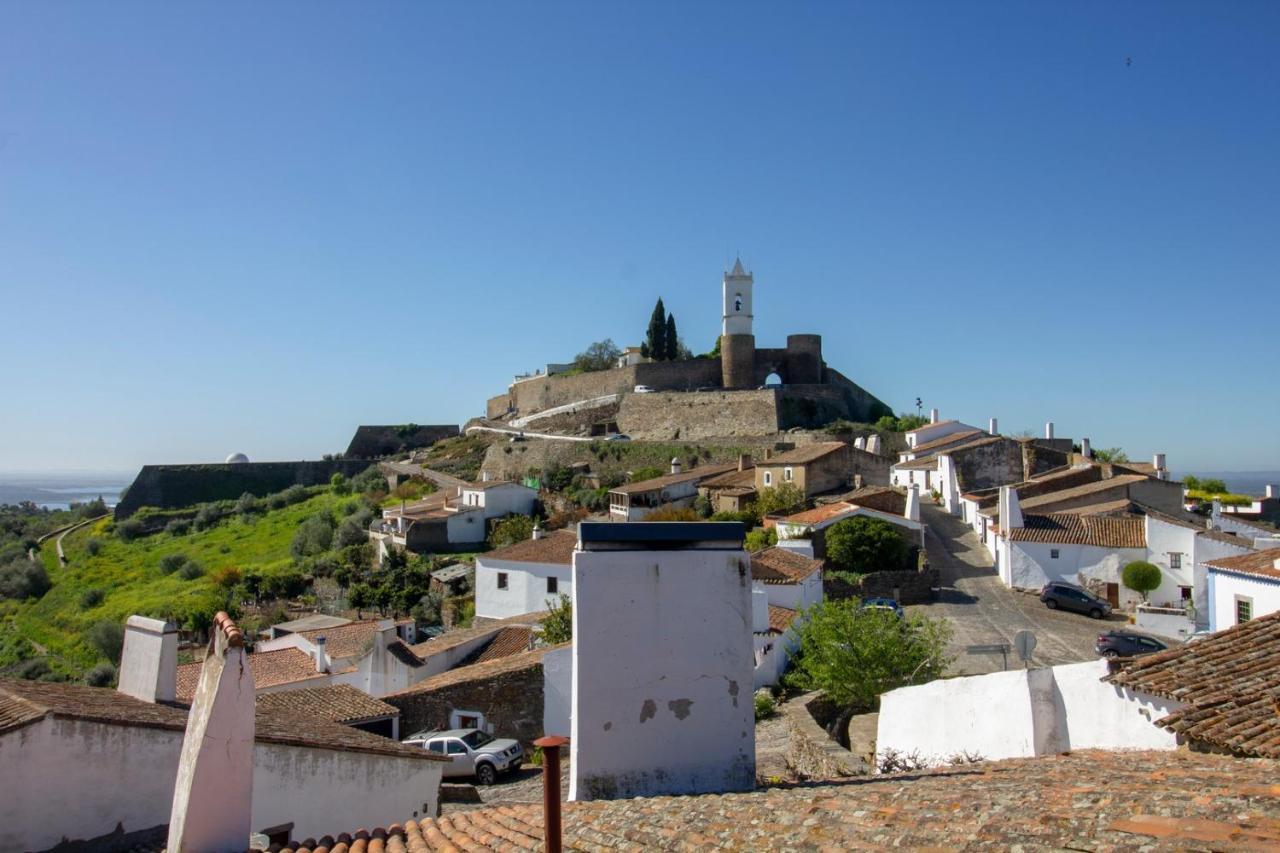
<point x="545" y="392"/>
<point x="674" y="415"/>
<point x="370" y="442"/>
<point x="810" y="752"/>
<point x="174" y="486"/>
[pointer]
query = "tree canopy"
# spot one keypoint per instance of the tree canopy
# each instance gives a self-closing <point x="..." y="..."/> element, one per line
<point x="782" y="499"/>
<point x="558" y="626"/>
<point x="862" y="544"/>
<point x="655" y="338"/>
<point x="1110" y="454"/>
<point x="512" y="529"/>
<point x="1141" y="577"/>
<point x="601" y="355"/>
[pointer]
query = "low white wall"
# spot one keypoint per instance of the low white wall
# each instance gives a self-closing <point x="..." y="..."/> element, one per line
<point x="328" y="791"/>
<point x="1020" y="714"/>
<point x="1172" y="624"/>
<point x="557" y="691"/>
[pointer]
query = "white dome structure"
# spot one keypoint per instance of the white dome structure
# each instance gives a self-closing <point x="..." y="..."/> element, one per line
<point x="237" y="458"/>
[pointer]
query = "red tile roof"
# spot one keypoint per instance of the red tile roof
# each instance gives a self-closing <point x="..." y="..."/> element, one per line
<point x="1229" y="682"/>
<point x="1065" y="528"/>
<point x="1261" y="563"/>
<point x="554" y="548"/>
<point x="1086" y="800"/>
<point x="780" y="618"/>
<point x="508" y="642"/>
<point x="479" y="671"/>
<point x="338" y="703"/>
<point x="345" y="641"/>
<point x="884" y="498"/>
<point x="698" y="474"/>
<point x="270" y="669"/>
<point x="819" y="514"/>
<point x="950" y="438"/>
<point x="781" y="566"/>
<point x="804" y="455"/>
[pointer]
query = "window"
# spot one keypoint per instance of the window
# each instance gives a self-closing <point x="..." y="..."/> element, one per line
<point x="1053" y="553"/>
<point x="456" y="748"/>
<point x="502" y="580"/>
<point x="786" y="474"/>
<point x="436" y="746"/>
<point x="1175" y="560"/>
<point x="1244" y="609"/>
<point x="737" y="302"/>
<point x="553" y="586"/>
<point x="768" y="478"/>
<point x="1186" y="593"/>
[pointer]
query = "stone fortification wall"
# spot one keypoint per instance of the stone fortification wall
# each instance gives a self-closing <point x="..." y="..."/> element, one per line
<point x="546" y="392"/>
<point x="505" y="461"/>
<point x="864" y="407"/>
<point x="577" y="422"/>
<point x="702" y="414"/>
<point x="811" y="406"/>
<point x="370" y="442"/>
<point x="496" y="407"/>
<point x="173" y="486"/>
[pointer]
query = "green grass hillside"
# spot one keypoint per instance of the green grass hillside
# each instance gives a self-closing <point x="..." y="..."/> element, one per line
<point x="124" y="577"/>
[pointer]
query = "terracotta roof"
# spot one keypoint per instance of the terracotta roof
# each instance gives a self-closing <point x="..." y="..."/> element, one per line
<point x="458" y="636"/>
<point x="735" y="479"/>
<point x="1229" y="682"/>
<point x="508" y="642"/>
<point x="948" y="439"/>
<point x="479" y="671"/>
<point x="270" y="669"/>
<point x="804" y="455"/>
<point x="819" y="514"/>
<point x="1064" y="528"/>
<point x="884" y="498"/>
<point x="780" y="618"/>
<point x="920" y="464"/>
<point x="25" y="702"/>
<point x="1124" y="505"/>
<point x="555" y="547"/>
<point x="1261" y="563"/>
<point x="1124" y="480"/>
<point x="929" y="426"/>
<point x="1230" y="538"/>
<point x="698" y="474"/>
<point x="345" y="641"/>
<point x="1084" y="800"/>
<point x="1262" y="528"/>
<point x="338" y="703"/>
<point x="782" y="566"/>
<point x="1054" y="479"/>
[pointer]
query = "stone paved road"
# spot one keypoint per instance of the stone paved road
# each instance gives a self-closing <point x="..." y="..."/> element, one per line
<point x="983" y="610"/>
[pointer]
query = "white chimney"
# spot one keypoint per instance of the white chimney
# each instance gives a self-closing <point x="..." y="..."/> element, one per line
<point x="213" y="794"/>
<point x="1085" y="450"/>
<point x="1276" y="563"/>
<point x="675" y="464"/>
<point x="1269" y="491"/>
<point x="149" y="661"/>
<point x="322" y="656"/>
<point x="484" y="476"/>
<point x="860" y="443"/>
<point x="1010" y="509"/>
<point x="993" y="427"/>
<point x="537" y="531"/>
<point x="1217" y="509"/>
<point x="913" y="503"/>
<point x="1157" y="462"/>
<point x="1048" y="430"/>
<point x="933" y="416"/>
<point x="873" y="444"/>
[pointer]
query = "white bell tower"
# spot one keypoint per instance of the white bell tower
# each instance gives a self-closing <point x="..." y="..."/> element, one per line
<point x="737" y="301"/>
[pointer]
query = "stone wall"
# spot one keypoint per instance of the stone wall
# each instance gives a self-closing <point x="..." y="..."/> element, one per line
<point x="989" y="465"/>
<point x="864" y="407"/>
<point x="370" y="442"/>
<point x="496" y="407"/>
<point x="809" y="751"/>
<point x="511" y="702"/>
<point x="907" y="587"/>
<point x="546" y="392"/>
<point x="693" y="416"/>
<point x="174" y="486"/>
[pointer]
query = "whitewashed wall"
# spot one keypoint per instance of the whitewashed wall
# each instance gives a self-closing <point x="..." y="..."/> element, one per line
<point x="662" y="692"/>
<point x="1030" y="565"/>
<point x="557" y="691"/>
<point x="526" y="590"/>
<point x="1020" y="714"/>
<point x="1225" y="586"/>
<point x="507" y="499"/>
<point x="465" y="527"/>
<point x="1163" y="539"/>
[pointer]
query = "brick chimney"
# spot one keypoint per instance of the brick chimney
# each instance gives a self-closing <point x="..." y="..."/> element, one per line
<point x="213" y="795"/>
<point x="149" y="661"/>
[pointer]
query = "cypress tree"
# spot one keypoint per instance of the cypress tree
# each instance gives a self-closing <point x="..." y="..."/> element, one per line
<point x="673" y="340"/>
<point x="656" y="338"/>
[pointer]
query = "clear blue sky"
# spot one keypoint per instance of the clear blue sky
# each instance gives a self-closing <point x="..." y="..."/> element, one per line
<point x="253" y="226"/>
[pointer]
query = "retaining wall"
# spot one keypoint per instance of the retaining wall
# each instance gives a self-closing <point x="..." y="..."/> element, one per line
<point x="370" y="442"/>
<point x="809" y="751"/>
<point x="174" y="486"/>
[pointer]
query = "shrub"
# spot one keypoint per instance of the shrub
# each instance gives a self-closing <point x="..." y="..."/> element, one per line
<point x="130" y="529"/>
<point x="747" y="517"/>
<point x="862" y="544"/>
<point x="170" y="563"/>
<point x="191" y="571"/>
<point x="702" y="506"/>
<point x="178" y="527"/>
<point x="207" y="516"/>
<point x="91" y="598"/>
<point x="228" y="577"/>
<point x="23" y="578"/>
<point x="672" y="513"/>
<point x="32" y="669"/>
<point x="369" y="480"/>
<point x="102" y="675"/>
<point x="1141" y="577"/>
<point x="764" y="705"/>
<point x="247" y="505"/>
<point x="93" y="546"/>
<point x="349" y="533"/>
<point x="338" y="484"/>
<point x="557" y="478"/>
<point x="783" y="499"/>
<point x="761" y="538"/>
<point x="648" y="472"/>
<point x="512" y="529"/>
<point x="108" y="638"/>
<point x="314" y="536"/>
<point x="296" y="494"/>
<point x="277" y="501"/>
<point x="558" y="626"/>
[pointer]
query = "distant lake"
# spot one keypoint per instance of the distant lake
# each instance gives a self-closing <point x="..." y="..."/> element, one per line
<point x="59" y="491"/>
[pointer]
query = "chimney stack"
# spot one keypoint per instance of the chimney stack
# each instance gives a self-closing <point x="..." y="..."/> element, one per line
<point x="993" y="427"/>
<point x="1048" y="430"/>
<point x="744" y="461"/>
<point x="322" y="656"/>
<point x="913" y="503"/>
<point x="1010" y="509"/>
<point x="860" y="443"/>
<point x="768" y="453"/>
<point x="213" y="795"/>
<point x="873" y="444"/>
<point x="537" y="531"/>
<point x="675" y="464"/>
<point x="149" y="661"/>
<point x="1269" y="491"/>
<point x="933" y="416"/>
<point x="1085" y="450"/>
<point x="1157" y="462"/>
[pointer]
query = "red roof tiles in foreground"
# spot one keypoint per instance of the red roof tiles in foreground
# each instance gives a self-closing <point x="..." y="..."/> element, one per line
<point x="1229" y="681"/>
<point x="781" y="566"/>
<point x="1090" y="800"/>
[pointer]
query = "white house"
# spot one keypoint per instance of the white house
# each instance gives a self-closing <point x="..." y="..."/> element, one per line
<point x="633" y="501"/>
<point x="783" y="584"/>
<point x="1243" y="588"/>
<point x="1180" y="548"/>
<point x="936" y="429"/>
<point x="499" y="498"/>
<point x="446" y="521"/>
<point x="804" y="532"/>
<point x="523" y="577"/>
<point x="1261" y="535"/>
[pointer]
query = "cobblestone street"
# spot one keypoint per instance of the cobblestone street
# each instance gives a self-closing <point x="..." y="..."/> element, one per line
<point x="983" y="610"/>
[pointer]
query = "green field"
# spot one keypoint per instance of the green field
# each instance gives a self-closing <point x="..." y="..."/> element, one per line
<point x="130" y="579"/>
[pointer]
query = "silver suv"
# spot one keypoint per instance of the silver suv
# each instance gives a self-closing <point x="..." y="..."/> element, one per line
<point x="472" y="752"/>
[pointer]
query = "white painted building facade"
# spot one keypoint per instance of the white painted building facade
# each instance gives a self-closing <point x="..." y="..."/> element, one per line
<point x="1243" y="588"/>
<point x="524" y="577"/>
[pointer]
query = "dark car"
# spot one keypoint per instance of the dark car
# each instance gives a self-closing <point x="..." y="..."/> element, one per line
<point x="1067" y="596"/>
<point x="882" y="604"/>
<point x="1122" y="644"/>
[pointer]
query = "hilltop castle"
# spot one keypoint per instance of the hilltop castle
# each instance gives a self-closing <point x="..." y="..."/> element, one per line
<point x="747" y="390"/>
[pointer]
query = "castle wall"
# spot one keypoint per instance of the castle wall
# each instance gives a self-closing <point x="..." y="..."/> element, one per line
<point x="704" y="414"/>
<point x="370" y="442"/>
<point x="739" y="362"/>
<point x="496" y="407"/>
<point x="545" y="392"/>
<point x="864" y="407"/>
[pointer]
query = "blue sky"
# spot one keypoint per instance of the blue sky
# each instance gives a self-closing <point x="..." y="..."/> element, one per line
<point x="254" y="226"/>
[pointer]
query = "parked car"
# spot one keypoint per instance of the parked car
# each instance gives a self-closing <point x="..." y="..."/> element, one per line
<point x="882" y="604"/>
<point x="1068" y="596"/>
<point x="472" y="752"/>
<point x="643" y="389"/>
<point x="1123" y="644"/>
<point x="618" y="436"/>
